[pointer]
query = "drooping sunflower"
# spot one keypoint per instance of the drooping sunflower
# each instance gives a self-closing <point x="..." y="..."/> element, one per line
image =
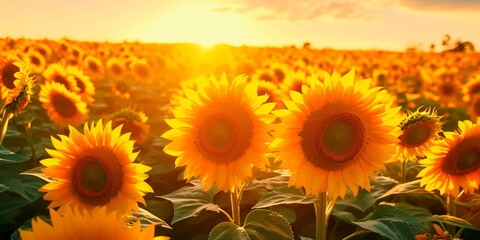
<point x="220" y="131"/>
<point x="63" y="107"/>
<point x="420" y="129"/>
<point x="134" y="122"/>
<point x="335" y="134"/>
<point x="454" y="162"/>
<point x="98" y="224"/>
<point x="18" y="97"/>
<point x="85" y="87"/>
<point x="95" y="169"/>
<point x="57" y="73"/>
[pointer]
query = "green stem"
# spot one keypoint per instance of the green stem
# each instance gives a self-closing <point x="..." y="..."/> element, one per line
<point x="226" y="214"/>
<point x="451" y="211"/>
<point x="4" y="125"/>
<point x="321" y="217"/>
<point x="235" y="200"/>
<point x="403" y="176"/>
<point x="28" y="126"/>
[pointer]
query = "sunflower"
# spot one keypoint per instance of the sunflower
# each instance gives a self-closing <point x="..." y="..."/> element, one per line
<point x="36" y="60"/>
<point x="134" y="122"/>
<point x="63" y="107"/>
<point x="85" y="87"/>
<point x="93" y="67"/>
<point x="419" y="131"/>
<point x="17" y="98"/>
<point x="220" y="131"/>
<point x="57" y="73"/>
<point x="271" y="90"/>
<point x="295" y="82"/>
<point x="474" y="106"/>
<point x="454" y="162"/>
<point x="336" y="134"/>
<point x="115" y="68"/>
<point x="141" y="70"/>
<point x="14" y="75"/>
<point x="471" y="88"/>
<point x="95" y="169"/>
<point x="98" y="224"/>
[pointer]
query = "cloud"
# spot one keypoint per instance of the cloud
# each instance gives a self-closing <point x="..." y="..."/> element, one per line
<point x="441" y="5"/>
<point x="303" y="9"/>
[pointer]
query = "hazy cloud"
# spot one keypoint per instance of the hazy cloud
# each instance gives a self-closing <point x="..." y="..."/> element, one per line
<point x="303" y="9"/>
<point x="441" y="5"/>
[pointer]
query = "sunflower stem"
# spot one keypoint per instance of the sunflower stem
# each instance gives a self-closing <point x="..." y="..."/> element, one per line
<point x="235" y="200"/>
<point x="321" y="216"/>
<point x="403" y="176"/>
<point x="4" y="124"/>
<point x="28" y="126"/>
<point x="451" y="211"/>
<point x="226" y="214"/>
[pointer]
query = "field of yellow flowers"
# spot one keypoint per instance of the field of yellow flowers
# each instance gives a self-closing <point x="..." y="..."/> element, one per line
<point x="176" y="141"/>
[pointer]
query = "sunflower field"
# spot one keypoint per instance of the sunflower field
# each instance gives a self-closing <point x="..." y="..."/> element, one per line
<point x="132" y="140"/>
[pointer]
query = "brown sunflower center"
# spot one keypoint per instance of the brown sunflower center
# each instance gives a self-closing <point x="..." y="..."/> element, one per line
<point x="417" y="134"/>
<point x="116" y="69"/>
<point x="224" y="136"/>
<point x="62" y="80"/>
<point x="464" y="158"/>
<point x="80" y="84"/>
<point x="8" y="75"/>
<point x="63" y="105"/>
<point x="474" y="89"/>
<point x="279" y="74"/>
<point x="476" y="107"/>
<point x="93" y="66"/>
<point x="97" y="176"/>
<point x="331" y="140"/>
<point x="266" y="77"/>
<point x="142" y="71"/>
<point x="130" y="126"/>
<point x="35" y="60"/>
<point x="447" y="89"/>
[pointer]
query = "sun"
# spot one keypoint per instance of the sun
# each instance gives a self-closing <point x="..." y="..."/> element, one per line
<point x="197" y="23"/>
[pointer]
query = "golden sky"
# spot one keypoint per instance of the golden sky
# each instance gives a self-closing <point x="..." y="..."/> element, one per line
<point x="340" y="24"/>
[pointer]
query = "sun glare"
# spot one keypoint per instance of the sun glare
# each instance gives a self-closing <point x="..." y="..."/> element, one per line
<point x="197" y="23"/>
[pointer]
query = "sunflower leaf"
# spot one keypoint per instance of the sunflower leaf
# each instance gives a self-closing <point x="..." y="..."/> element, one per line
<point x="189" y="201"/>
<point x="25" y="186"/>
<point x="453" y="221"/>
<point x="146" y="219"/>
<point x="9" y="157"/>
<point x="285" y="195"/>
<point x="391" y="222"/>
<point x="409" y="187"/>
<point x="259" y="224"/>
<point x="37" y="172"/>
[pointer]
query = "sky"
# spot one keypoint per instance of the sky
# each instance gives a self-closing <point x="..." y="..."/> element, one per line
<point x="339" y="24"/>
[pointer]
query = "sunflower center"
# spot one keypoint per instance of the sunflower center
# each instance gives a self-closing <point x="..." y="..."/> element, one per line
<point x="61" y="79"/>
<point x="476" y="107"/>
<point x="80" y="84"/>
<point x="63" y="105"/>
<point x="417" y="134"/>
<point x="93" y="177"/>
<point x="97" y="176"/>
<point x="35" y="60"/>
<point x="224" y="136"/>
<point x="463" y="158"/>
<point x="116" y="69"/>
<point x="266" y="77"/>
<point x="447" y="89"/>
<point x="8" y="75"/>
<point x="474" y="89"/>
<point x="93" y="66"/>
<point x="142" y="71"/>
<point x="279" y="74"/>
<point x="331" y="139"/>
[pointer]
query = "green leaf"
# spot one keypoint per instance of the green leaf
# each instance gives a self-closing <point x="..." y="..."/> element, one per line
<point x="259" y="224"/>
<point x="37" y="172"/>
<point x="454" y="221"/>
<point x="23" y="185"/>
<point x="363" y="201"/>
<point x="189" y="201"/>
<point x="9" y="157"/>
<point x="285" y="195"/>
<point x="391" y="222"/>
<point x="409" y="187"/>
<point x="3" y="188"/>
<point x="269" y="180"/>
<point x="146" y="219"/>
